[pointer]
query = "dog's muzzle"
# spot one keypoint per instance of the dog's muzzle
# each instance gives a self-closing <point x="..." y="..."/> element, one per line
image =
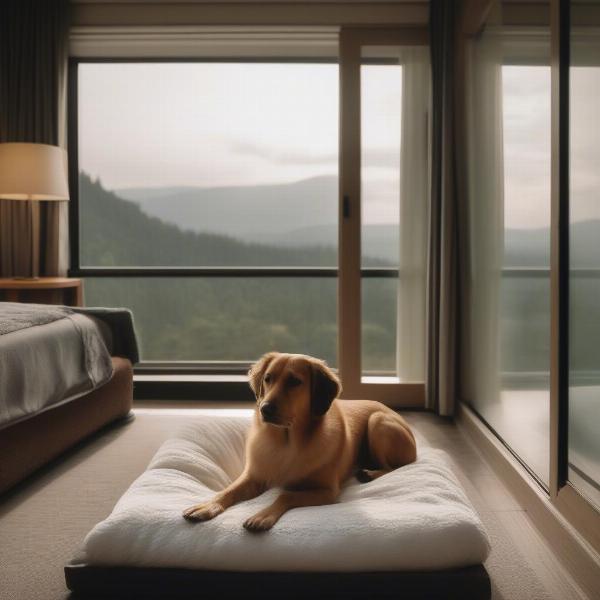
<point x="268" y="412"/>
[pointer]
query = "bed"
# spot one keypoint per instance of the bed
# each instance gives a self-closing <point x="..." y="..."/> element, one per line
<point x="409" y="534"/>
<point x="64" y="373"/>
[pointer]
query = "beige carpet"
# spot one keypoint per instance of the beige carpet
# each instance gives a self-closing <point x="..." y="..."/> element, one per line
<point x="45" y="519"/>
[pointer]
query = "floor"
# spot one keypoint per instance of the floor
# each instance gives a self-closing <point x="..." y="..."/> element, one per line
<point x="44" y="520"/>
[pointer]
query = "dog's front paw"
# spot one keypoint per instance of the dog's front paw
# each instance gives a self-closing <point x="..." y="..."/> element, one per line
<point x="203" y="512"/>
<point x="260" y="522"/>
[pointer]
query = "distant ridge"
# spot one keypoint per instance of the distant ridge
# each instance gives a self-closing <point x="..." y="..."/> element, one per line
<point x="242" y="211"/>
<point x="119" y="232"/>
<point x="304" y="214"/>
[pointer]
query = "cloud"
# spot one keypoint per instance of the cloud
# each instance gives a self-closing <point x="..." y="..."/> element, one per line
<point x="372" y="157"/>
<point x="281" y="157"/>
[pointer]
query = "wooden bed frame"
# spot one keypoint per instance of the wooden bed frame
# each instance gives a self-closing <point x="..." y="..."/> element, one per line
<point x="29" y="444"/>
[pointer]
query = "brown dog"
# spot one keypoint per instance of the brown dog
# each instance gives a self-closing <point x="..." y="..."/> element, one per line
<point x="307" y="442"/>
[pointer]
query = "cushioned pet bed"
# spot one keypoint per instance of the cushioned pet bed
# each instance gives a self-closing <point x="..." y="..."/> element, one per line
<point x="411" y="533"/>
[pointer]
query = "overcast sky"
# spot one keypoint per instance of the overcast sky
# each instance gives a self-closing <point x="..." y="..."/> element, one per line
<point x="208" y="124"/>
<point x="211" y="124"/>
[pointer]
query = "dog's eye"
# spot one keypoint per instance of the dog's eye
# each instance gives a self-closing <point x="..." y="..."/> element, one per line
<point x="293" y="382"/>
<point x="268" y="378"/>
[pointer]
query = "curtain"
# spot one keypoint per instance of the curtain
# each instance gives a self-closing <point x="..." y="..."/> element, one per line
<point x="414" y="190"/>
<point x="442" y="264"/>
<point x="33" y="62"/>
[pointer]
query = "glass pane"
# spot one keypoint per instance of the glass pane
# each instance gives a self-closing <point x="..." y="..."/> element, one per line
<point x="381" y="119"/>
<point x="225" y="319"/>
<point x="509" y="196"/>
<point x="379" y="312"/>
<point x="584" y="306"/>
<point x="394" y="88"/>
<point x="208" y="164"/>
<point x="523" y="413"/>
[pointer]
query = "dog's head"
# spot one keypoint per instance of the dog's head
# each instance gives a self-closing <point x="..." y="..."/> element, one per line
<point x="292" y="387"/>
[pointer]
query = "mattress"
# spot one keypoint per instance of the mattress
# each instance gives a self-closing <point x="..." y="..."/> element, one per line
<point x="50" y="355"/>
<point x="414" y="520"/>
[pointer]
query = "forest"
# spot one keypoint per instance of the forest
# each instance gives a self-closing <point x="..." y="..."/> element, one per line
<point x="233" y="319"/>
<point x="237" y="319"/>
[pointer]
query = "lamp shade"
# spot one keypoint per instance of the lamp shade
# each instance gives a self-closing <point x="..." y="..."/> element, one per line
<point x="33" y="172"/>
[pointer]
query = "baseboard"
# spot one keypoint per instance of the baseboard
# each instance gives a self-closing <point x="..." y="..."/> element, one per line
<point x="570" y="547"/>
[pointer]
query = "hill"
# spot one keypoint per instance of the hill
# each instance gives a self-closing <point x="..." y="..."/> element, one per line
<point x="242" y="211"/>
<point x="303" y="214"/>
<point x="119" y="233"/>
<point x="192" y="318"/>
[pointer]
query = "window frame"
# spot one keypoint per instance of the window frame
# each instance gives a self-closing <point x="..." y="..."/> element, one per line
<point x="187" y="379"/>
<point x="77" y="270"/>
<point x="393" y="393"/>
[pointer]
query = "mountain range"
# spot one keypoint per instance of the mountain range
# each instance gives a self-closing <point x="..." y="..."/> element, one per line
<point x="304" y="214"/>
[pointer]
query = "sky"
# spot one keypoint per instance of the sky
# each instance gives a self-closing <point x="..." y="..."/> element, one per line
<point x="526" y="112"/>
<point x="585" y="143"/>
<point x="526" y="142"/>
<point x="207" y="124"/>
<point x="215" y="124"/>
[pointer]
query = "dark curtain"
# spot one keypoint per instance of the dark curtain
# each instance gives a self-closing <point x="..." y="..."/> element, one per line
<point x="33" y="58"/>
<point x="442" y="276"/>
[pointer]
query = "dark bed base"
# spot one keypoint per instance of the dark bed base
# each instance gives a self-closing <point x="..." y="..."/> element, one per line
<point x="471" y="583"/>
<point x="30" y="444"/>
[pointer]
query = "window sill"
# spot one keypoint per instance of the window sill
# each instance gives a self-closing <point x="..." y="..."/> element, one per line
<point x="205" y="378"/>
<point x="216" y="387"/>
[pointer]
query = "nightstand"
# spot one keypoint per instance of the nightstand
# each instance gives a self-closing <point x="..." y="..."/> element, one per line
<point x="44" y="290"/>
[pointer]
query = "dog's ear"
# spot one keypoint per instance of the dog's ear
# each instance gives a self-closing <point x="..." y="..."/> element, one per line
<point x="257" y="373"/>
<point x="324" y="389"/>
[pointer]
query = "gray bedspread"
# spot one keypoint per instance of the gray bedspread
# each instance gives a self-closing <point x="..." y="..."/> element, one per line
<point x="53" y="354"/>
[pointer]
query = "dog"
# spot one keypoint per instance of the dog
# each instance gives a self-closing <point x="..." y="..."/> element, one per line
<point x="307" y="442"/>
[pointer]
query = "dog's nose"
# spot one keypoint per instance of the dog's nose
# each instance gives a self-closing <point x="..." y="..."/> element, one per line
<point x="268" y="410"/>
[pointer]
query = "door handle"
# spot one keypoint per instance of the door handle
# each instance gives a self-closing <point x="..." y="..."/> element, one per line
<point x="346" y="207"/>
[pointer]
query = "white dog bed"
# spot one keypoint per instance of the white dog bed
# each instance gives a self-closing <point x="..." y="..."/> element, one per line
<point x="416" y="518"/>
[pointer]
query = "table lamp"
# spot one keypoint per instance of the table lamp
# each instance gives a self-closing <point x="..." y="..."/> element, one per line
<point x="33" y="172"/>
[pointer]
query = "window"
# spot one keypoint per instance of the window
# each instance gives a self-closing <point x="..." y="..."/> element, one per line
<point x="208" y="200"/>
<point x="532" y="336"/>
<point x="212" y="164"/>
<point x="510" y="239"/>
<point x="584" y="271"/>
<point x="525" y="284"/>
<point x="381" y="122"/>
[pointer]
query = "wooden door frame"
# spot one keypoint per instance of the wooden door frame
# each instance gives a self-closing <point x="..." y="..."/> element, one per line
<point x="395" y="393"/>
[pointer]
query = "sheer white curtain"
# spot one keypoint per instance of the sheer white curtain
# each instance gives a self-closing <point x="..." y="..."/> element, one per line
<point x="486" y="207"/>
<point x="414" y="186"/>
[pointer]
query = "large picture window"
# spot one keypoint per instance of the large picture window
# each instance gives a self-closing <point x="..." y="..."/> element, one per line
<point x="208" y="200"/>
<point x="212" y="164"/>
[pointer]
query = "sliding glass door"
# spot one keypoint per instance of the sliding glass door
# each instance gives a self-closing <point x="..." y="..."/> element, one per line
<point x="510" y="215"/>
<point x="383" y="180"/>
<point x="532" y="327"/>
<point x="584" y="253"/>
